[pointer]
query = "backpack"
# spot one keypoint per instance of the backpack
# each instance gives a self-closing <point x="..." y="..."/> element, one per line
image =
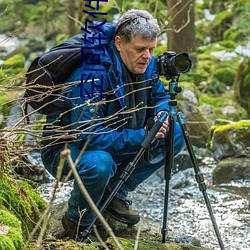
<point x="48" y="73"/>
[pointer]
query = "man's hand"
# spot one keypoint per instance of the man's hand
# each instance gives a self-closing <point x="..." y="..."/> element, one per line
<point x="164" y="128"/>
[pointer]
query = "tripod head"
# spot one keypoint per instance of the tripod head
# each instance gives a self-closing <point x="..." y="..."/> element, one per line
<point x="174" y="89"/>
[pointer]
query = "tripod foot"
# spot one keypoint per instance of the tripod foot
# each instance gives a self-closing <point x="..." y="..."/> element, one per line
<point x="164" y="232"/>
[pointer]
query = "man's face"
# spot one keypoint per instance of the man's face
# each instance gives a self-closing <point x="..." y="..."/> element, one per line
<point x="137" y="53"/>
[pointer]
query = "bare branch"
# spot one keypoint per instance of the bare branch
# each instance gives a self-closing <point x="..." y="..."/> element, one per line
<point x="66" y="154"/>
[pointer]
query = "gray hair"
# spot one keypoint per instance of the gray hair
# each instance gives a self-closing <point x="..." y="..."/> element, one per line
<point x="137" y="22"/>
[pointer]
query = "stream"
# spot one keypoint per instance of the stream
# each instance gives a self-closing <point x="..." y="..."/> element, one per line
<point x="187" y="212"/>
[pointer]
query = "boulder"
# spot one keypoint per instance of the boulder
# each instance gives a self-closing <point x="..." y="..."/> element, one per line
<point x="231" y="169"/>
<point x="150" y="235"/>
<point x="197" y="125"/>
<point x="230" y="140"/>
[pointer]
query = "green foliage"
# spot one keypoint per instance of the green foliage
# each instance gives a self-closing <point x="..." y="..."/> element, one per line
<point x="229" y="23"/>
<point x="214" y="101"/>
<point x="219" y="102"/>
<point x="17" y="61"/>
<point x="22" y="200"/>
<point x="12" y="67"/>
<point x="156" y="8"/>
<point x="160" y="49"/>
<point x="224" y="75"/>
<point x="60" y="38"/>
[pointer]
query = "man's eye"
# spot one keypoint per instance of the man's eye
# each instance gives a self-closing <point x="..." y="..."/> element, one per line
<point x="139" y="49"/>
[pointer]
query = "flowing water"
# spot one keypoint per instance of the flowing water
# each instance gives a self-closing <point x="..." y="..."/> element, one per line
<point x="187" y="212"/>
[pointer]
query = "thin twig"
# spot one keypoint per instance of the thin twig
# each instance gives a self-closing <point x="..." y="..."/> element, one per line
<point x="66" y="154"/>
<point x="138" y="236"/>
<point x="99" y="238"/>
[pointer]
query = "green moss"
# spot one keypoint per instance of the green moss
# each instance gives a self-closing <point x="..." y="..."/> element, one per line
<point x="17" y="60"/>
<point x="13" y="71"/>
<point x="9" y="219"/>
<point x="128" y="244"/>
<point x="22" y="200"/>
<point x="239" y="128"/>
<point x="212" y="100"/>
<point x="225" y="75"/>
<point x="16" y="237"/>
<point x="236" y="125"/>
<point x="13" y="238"/>
<point x="6" y="243"/>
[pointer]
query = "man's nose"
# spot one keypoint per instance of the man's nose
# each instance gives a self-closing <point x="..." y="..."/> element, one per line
<point x="146" y="54"/>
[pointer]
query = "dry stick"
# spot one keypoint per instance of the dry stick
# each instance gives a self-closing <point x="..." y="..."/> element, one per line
<point x="137" y="236"/>
<point x="99" y="238"/>
<point x="45" y="217"/>
<point x="66" y="154"/>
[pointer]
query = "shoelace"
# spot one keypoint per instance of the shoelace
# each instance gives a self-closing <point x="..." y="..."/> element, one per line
<point x="127" y="203"/>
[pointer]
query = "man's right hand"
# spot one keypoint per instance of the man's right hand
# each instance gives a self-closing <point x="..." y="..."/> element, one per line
<point x="164" y="128"/>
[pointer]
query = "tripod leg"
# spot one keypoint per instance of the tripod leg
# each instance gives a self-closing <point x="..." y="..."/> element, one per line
<point x="129" y="168"/>
<point x="168" y="173"/>
<point x="199" y="177"/>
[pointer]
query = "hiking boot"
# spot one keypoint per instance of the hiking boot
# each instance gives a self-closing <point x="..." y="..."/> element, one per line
<point x="121" y="211"/>
<point x="75" y="231"/>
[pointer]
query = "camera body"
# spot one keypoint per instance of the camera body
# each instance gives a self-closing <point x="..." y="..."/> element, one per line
<point x="171" y="65"/>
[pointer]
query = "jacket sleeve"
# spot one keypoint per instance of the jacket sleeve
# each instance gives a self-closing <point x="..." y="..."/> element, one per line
<point x="89" y="121"/>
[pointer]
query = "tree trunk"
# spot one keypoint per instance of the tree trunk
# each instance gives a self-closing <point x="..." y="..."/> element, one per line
<point x="71" y="6"/>
<point x="181" y="27"/>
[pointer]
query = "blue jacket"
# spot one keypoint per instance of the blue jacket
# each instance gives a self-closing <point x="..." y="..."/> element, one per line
<point x="99" y="117"/>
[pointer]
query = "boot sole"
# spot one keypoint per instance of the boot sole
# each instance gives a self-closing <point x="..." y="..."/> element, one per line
<point x="121" y="219"/>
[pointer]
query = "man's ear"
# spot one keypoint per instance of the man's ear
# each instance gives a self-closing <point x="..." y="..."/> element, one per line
<point x="118" y="42"/>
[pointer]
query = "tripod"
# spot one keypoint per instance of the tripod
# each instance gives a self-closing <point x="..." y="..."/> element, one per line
<point x="169" y="163"/>
<point x="173" y="90"/>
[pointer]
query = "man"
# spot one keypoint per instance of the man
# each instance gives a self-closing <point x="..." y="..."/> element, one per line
<point x="111" y="124"/>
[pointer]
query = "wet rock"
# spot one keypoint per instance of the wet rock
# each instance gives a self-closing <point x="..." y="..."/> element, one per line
<point x="231" y="169"/>
<point x="181" y="179"/>
<point x="149" y="233"/>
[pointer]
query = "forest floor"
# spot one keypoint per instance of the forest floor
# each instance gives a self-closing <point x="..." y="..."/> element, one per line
<point x="144" y="236"/>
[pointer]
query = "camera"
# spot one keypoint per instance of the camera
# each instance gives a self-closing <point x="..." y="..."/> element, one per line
<point x="171" y="65"/>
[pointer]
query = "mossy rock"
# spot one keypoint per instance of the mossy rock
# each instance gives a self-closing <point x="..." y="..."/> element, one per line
<point x="232" y="139"/>
<point x="231" y="169"/>
<point x="128" y="244"/>
<point x="219" y="107"/>
<point x="10" y="231"/>
<point x="22" y="200"/>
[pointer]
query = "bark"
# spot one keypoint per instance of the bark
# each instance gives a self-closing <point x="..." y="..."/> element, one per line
<point x="181" y="26"/>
